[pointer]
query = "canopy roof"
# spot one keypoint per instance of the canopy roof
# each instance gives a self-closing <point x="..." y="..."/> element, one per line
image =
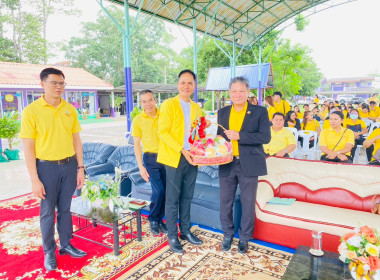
<point x="219" y="78"/>
<point x="247" y="20"/>
<point x="154" y="87"/>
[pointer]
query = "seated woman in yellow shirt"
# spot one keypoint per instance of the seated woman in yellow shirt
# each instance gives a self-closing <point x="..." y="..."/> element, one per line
<point x="373" y="138"/>
<point x="359" y="128"/>
<point x="292" y="121"/>
<point x="298" y="113"/>
<point x="364" y="113"/>
<point x="336" y="142"/>
<point x="309" y="123"/>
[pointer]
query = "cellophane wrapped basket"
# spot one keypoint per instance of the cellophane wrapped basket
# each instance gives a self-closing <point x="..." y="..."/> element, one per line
<point x="209" y="150"/>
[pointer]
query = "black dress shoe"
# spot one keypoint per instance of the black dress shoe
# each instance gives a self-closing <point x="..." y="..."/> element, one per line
<point x="154" y="228"/>
<point x="50" y="261"/>
<point x="226" y="244"/>
<point x="191" y="238"/>
<point x="243" y="247"/>
<point x="72" y="251"/>
<point x="175" y="246"/>
<point x="163" y="227"/>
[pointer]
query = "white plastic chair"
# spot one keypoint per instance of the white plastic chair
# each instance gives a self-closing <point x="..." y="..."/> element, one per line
<point x="295" y="133"/>
<point x="373" y="126"/>
<point x="355" y="158"/>
<point x="367" y="122"/>
<point x="305" y="150"/>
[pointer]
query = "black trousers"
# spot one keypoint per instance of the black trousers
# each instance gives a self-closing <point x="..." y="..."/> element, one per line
<point x="368" y="151"/>
<point x="180" y="183"/>
<point x="157" y="178"/>
<point x="248" y="189"/>
<point x="60" y="182"/>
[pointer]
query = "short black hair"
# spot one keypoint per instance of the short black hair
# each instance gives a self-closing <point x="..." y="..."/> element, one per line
<point x="278" y="114"/>
<point x="339" y="113"/>
<point x="47" y="71"/>
<point x="278" y="93"/>
<point x="304" y="105"/>
<point x="187" y="71"/>
<point x="146" y="91"/>
<point x="372" y="102"/>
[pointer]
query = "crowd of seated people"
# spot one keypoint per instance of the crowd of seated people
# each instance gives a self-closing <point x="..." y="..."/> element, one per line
<point x="340" y="127"/>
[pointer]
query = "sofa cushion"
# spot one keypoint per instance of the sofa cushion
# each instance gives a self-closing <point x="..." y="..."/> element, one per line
<point x="336" y="197"/>
<point x="96" y="153"/>
<point x="333" y="220"/>
<point x="124" y="158"/>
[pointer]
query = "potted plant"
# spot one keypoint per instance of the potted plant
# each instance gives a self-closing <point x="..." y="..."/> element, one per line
<point x="84" y="114"/>
<point x="117" y="106"/>
<point x="98" y="115"/>
<point x="9" y="129"/>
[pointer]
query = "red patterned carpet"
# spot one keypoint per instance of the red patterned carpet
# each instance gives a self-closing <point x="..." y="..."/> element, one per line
<point x="22" y="256"/>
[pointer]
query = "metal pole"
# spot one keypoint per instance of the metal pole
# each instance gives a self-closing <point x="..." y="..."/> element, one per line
<point x="233" y="58"/>
<point x="112" y="113"/>
<point x="127" y="67"/>
<point x="195" y="58"/>
<point x="260" y="97"/>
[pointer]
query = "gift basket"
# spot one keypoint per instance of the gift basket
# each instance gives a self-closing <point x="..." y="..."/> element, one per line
<point x="210" y="149"/>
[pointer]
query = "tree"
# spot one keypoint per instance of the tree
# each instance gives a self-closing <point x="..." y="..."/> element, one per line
<point x="7" y="51"/>
<point x="46" y="8"/>
<point x="100" y="50"/>
<point x="28" y="44"/>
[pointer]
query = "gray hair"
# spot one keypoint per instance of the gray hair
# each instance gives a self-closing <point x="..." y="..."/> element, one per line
<point x="240" y="79"/>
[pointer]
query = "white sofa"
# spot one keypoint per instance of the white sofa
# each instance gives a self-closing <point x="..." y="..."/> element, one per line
<point x="333" y="198"/>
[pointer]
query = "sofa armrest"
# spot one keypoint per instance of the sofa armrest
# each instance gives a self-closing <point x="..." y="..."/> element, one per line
<point x="104" y="168"/>
<point x="264" y="194"/>
<point x="128" y="172"/>
<point x="136" y="178"/>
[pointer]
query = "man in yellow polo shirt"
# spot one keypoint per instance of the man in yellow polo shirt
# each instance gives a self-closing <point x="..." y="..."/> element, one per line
<point x="336" y="142"/>
<point x="282" y="141"/>
<point x="282" y="106"/>
<point x="374" y="112"/>
<point x="248" y="128"/>
<point x="174" y="125"/>
<point x="145" y="130"/>
<point x="54" y="158"/>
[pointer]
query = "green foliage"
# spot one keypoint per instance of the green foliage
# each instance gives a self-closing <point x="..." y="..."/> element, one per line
<point x="118" y="101"/>
<point x="7" y="51"/>
<point x="301" y="22"/>
<point x="10" y="127"/>
<point x="135" y="112"/>
<point x="100" y="50"/>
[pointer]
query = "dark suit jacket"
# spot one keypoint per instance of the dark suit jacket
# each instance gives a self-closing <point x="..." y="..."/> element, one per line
<point x="254" y="132"/>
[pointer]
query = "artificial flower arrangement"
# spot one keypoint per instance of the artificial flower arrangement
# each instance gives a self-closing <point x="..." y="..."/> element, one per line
<point x="208" y="150"/>
<point x="361" y="250"/>
<point x="100" y="192"/>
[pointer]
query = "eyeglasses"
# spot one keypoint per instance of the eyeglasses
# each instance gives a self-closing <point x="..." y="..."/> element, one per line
<point x="56" y="84"/>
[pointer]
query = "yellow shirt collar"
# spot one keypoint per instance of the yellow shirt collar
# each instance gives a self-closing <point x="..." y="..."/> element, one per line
<point x="44" y="103"/>
<point x="145" y="115"/>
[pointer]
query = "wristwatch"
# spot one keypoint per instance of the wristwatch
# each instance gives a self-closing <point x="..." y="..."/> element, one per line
<point x="338" y="153"/>
<point x="80" y="167"/>
<point x="285" y="151"/>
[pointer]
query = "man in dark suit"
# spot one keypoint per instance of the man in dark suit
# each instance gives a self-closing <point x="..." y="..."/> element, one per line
<point x="248" y="128"/>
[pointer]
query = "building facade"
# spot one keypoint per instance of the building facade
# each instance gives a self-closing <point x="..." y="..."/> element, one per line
<point x="20" y="86"/>
<point x="358" y="87"/>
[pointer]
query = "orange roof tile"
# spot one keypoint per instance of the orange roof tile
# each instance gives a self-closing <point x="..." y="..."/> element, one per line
<point x="21" y="74"/>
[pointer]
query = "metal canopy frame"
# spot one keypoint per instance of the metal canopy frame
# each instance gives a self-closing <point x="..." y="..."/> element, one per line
<point x="241" y="23"/>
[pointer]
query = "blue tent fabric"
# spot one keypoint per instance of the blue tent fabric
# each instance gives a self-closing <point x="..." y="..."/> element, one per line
<point x="219" y="78"/>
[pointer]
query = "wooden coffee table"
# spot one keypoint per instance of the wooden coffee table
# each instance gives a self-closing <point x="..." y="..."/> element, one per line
<point x="304" y="266"/>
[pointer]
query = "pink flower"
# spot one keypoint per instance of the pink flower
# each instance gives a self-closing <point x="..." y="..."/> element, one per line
<point x="374" y="263"/>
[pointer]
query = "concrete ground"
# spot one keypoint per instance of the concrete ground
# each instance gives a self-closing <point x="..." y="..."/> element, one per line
<point x="14" y="177"/>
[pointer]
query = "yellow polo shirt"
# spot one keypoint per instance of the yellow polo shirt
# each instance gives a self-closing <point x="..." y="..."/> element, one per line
<point x="282" y="107"/>
<point x="351" y="123"/>
<point x="299" y="115"/>
<point x="146" y="128"/>
<point x="279" y="141"/>
<point x="326" y="124"/>
<point x="375" y="112"/>
<point x="375" y="133"/>
<point x="236" y="121"/>
<point x="51" y="128"/>
<point x="316" y="100"/>
<point x="271" y="111"/>
<point x="329" y="138"/>
<point x="324" y="114"/>
<point x="313" y="125"/>
<point x="363" y="115"/>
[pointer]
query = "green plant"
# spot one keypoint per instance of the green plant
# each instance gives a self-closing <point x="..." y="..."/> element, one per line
<point x="117" y="103"/>
<point x="135" y="112"/>
<point x="10" y="127"/>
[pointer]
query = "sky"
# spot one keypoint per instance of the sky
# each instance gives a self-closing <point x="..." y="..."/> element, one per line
<point x="344" y="40"/>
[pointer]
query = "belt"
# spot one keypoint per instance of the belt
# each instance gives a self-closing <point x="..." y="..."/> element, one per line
<point x="59" y="162"/>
